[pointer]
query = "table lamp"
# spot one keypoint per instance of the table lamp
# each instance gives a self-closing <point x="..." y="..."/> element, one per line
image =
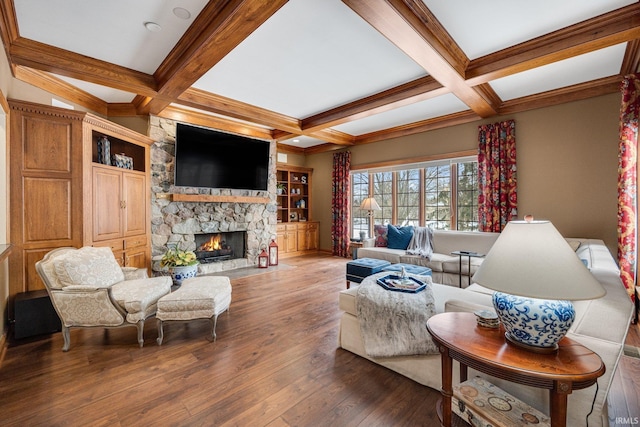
<point x="535" y="274"/>
<point x="370" y="204"/>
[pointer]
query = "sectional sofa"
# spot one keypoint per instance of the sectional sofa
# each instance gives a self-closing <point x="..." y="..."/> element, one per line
<point x="446" y="268"/>
<point x="600" y="324"/>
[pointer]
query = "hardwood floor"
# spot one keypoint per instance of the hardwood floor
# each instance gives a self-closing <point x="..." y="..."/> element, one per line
<point x="275" y="363"/>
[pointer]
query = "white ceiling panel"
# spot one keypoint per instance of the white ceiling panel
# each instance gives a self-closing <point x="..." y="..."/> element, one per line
<point x="481" y="28"/>
<point x="312" y="55"/>
<point x="440" y="106"/>
<point x="587" y="67"/>
<point x="104" y="93"/>
<point x="111" y="31"/>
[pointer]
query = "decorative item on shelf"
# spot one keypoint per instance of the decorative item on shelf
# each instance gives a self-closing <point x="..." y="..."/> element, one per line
<point x="181" y="264"/>
<point x="535" y="274"/>
<point x="303" y="204"/>
<point x="303" y="179"/>
<point x="281" y="189"/>
<point x="293" y="216"/>
<point x="122" y="161"/>
<point x="263" y="259"/>
<point x="273" y="252"/>
<point x="104" y="150"/>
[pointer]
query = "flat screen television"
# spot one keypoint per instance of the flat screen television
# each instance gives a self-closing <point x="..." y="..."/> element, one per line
<point x="212" y="159"/>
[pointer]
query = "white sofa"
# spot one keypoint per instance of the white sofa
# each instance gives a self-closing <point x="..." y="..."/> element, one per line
<point x="600" y="325"/>
<point x="446" y="268"/>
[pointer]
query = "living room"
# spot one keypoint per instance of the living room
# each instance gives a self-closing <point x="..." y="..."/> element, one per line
<point x="567" y="161"/>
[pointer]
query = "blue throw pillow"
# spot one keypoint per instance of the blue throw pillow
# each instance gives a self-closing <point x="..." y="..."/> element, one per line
<point x="399" y="237"/>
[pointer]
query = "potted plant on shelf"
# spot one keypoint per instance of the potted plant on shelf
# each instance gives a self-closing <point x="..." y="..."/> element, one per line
<point x="281" y="188"/>
<point x="181" y="264"/>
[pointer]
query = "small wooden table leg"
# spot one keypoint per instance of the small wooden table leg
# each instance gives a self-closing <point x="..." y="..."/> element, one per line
<point x="447" y="386"/>
<point x="558" y="403"/>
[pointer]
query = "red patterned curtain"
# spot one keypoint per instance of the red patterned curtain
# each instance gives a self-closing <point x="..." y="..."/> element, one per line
<point x="340" y="197"/>
<point x="497" y="196"/>
<point x="627" y="181"/>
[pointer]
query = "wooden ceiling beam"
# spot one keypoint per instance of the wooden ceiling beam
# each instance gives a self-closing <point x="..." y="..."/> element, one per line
<point x="631" y="60"/>
<point x="415" y="91"/>
<point x="218" y="29"/>
<point x="606" y="30"/>
<point x="202" y="119"/>
<point x="43" y="57"/>
<point x="563" y="95"/>
<point x="51" y="84"/>
<point x="407" y="24"/>
<point x="217" y="104"/>
<point x="418" y="127"/>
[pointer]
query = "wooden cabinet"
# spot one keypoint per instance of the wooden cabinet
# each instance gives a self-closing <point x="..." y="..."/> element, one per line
<point x="61" y="196"/>
<point x="294" y="193"/>
<point x="297" y="238"/>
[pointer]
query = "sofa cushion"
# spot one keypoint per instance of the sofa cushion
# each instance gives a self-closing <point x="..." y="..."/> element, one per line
<point x="88" y="266"/>
<point x="380" y="235"/>
<point x="399" y="237"/>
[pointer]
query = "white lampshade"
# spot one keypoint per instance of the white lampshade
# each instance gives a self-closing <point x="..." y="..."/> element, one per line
<point x="370" y="204"/>
<point x="532" y="259"/>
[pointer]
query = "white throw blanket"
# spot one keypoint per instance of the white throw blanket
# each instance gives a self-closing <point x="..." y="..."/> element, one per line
<point x="421" y="242"/>
<point x="395" y="323"/>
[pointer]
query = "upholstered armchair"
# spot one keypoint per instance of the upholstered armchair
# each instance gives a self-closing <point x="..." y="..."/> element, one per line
<point x="89" y="289"/>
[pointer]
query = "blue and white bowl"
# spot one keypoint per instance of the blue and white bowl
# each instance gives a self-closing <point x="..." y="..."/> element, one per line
<point x="534" y="322"/>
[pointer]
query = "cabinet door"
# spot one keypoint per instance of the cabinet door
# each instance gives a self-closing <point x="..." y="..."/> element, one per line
<point x="107" y="204"/>
<point x="312" y="238"/>
<point x="135" y="204"/>
<point x="136" y="257"/>
<point x="290" y="243"/>
<point x="303" y="240"/>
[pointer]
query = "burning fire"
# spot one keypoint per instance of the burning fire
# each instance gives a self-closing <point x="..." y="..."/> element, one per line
<point x="212" y="245"/>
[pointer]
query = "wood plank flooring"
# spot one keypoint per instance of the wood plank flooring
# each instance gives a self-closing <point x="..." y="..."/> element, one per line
<point x="275" y="363"/>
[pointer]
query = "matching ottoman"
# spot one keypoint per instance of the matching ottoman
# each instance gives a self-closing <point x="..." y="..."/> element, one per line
<point x="202" y="297"/>
<point x="417" y="270"/>
<point x="360" y="268"/>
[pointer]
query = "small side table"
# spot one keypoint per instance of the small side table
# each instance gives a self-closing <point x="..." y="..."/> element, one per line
<point x="469" y="255"/>
<point x="353" y="247"/>
<point x="572" y="367"/>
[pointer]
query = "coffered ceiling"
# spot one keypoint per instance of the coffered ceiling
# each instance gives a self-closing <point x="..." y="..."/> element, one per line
<point x="317" y="75"/>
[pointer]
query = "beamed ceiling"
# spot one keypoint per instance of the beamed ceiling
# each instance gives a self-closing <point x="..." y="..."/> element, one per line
<point x="317" y="75"/>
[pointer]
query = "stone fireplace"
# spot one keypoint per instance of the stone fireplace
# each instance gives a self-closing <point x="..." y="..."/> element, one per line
<point x="216" y="247"/>
<point x="183" y="223"/>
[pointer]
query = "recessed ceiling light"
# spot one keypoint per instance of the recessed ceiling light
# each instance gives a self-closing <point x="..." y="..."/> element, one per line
<point x="182" y="13"/>
<point x="296" y="140"/>
<point x="152" y="26"/>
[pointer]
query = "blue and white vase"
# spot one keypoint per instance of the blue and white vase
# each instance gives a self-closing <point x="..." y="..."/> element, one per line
<point x="534" y="322"/>
<point x="178" y="274"/>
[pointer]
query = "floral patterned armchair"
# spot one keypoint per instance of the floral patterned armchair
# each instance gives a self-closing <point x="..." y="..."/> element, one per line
<point x="89" y="289"/>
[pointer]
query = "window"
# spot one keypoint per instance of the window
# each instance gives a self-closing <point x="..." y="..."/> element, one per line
<point x="440" y="194"/>
<point x="437" y="189"/>
<point x="383" y="193"/>
<point x="359" y="191"/>
<point x="408" y="197"/>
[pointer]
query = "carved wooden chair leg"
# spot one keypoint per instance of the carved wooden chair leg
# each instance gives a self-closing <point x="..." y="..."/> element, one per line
<point x="160" y="332"/>
<point x="140" y="327"/>
<point x="66" y="336"/>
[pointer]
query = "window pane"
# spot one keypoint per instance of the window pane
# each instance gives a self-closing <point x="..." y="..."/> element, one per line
<point x="359" y="192"/>
<point x="467" y="205"/>
<point x="382" y="192"/>
<point x="437" y="182"/>
<point x="408" y="194"/>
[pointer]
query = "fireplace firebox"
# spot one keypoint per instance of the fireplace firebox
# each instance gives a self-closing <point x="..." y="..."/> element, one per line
<point x="222" y="246"/>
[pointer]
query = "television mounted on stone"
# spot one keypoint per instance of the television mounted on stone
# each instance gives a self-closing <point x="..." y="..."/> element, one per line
<point x="212" y="159"/>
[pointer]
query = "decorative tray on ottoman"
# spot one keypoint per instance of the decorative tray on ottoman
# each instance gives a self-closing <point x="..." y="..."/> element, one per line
<point x="393" y="282"/>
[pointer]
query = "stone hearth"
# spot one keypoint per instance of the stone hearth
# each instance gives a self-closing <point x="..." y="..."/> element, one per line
<point x="177" y="223"/>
